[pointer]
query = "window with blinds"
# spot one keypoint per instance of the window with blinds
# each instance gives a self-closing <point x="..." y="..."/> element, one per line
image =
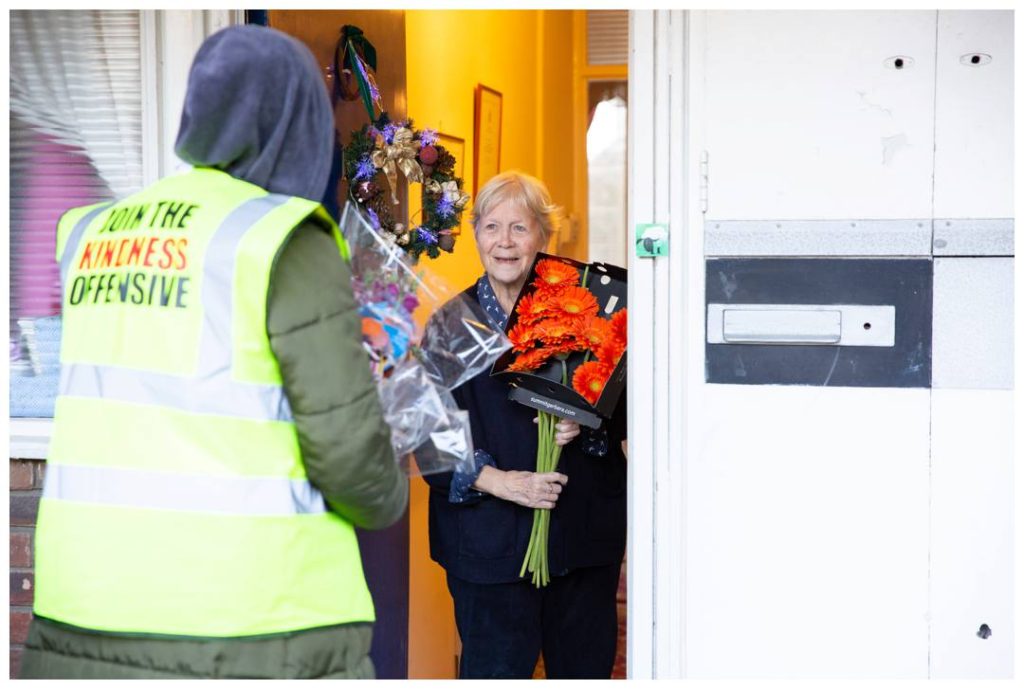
<point x="607" y="37"/>
<point x="76" y="138"/>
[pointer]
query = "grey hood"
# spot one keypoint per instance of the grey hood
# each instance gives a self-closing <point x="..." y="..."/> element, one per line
<point x="257" y="108"/>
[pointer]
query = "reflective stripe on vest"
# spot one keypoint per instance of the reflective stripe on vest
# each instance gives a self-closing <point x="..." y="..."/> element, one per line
<point x="248" y="495"/>
<point x="216" y="395"/>
<point x="218" y="280"/>
<point x="71" y="246"/>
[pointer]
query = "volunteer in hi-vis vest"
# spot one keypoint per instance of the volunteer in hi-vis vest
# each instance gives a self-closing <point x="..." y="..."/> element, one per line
<point x="208" y="457"/>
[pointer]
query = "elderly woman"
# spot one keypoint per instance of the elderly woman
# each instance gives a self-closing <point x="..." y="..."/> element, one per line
<point x="480" y="521"/>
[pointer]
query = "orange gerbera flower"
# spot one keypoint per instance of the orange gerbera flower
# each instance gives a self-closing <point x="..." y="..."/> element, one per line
<point x="552" y="273"/>
<point x="597" y="330"/>
<point x="573" y="301"/>
<point x="610" y="351"/>
<point x="552" y="330"/>
<point x="531" y="360"/>
<point x="566" y="346"/>
<point x="619" y="324"/>
<point x="590" y="378"/>
<point x="532" y="308"/>
<point x="522" y="337"/>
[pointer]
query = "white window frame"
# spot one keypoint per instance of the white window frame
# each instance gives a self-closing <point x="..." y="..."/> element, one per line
<point x="168" y="41"/>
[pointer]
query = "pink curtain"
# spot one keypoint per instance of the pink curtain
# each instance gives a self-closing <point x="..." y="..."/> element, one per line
<point x="47" y="179"/>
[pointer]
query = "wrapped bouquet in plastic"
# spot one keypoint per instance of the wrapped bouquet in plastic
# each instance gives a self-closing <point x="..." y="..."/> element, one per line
<point x="415" y="375"/>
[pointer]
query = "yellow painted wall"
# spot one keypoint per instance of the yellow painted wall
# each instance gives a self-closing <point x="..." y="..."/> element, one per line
<point x="558" y="164"/>
<point x="527" y="56"/>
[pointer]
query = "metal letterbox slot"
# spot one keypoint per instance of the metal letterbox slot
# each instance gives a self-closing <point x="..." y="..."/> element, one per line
<point x="802" y="324"/>
<point x="781" y="326"/>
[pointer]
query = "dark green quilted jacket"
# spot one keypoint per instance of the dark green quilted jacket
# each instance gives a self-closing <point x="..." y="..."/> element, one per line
<point x="315" y="335"/>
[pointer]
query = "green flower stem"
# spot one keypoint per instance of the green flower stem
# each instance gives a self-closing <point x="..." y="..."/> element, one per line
<point x="538" y="573"/>
<point x="529" y="561"/>
<point x="541" y="463"/>
<point x="546" y="517"/>
<point x="554" y="454"/>
<point x="530" y="546"/>
<point x="535" y="560"/>
<point x="548" y="454"/>
<point x="545" y="525"/>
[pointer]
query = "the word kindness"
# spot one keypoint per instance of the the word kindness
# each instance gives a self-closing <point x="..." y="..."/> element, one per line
<point x="138" y="257"/>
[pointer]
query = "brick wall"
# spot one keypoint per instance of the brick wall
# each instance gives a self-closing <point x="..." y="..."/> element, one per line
<point x="26" y="484"/>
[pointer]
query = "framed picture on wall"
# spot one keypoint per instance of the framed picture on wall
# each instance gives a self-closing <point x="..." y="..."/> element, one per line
<point x="457" y="147"/>
<point x="486" y="135"/>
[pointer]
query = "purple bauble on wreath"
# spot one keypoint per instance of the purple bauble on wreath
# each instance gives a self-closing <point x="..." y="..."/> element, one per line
<point x="428" y="155"/>
<point x="445" y="242"/>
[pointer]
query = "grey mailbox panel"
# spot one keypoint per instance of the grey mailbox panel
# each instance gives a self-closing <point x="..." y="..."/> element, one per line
<point x="854" y="322"/>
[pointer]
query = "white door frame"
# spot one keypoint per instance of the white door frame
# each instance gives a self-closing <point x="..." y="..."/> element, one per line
<point x="666" y="302"/>
<point x="170" y="41"/>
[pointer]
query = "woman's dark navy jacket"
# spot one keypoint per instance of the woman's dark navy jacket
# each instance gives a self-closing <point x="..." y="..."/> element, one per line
<point x="484" y="541"/>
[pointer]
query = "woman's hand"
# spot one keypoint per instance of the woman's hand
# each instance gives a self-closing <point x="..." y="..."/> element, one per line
<point x="526" y="488"/>
<point x="565" y="431"/>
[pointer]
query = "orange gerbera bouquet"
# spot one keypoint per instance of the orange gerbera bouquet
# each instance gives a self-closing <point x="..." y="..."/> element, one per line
<point x="558" y="318"/>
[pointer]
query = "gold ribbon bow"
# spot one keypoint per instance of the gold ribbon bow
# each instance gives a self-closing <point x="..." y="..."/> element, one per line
<point x="449" y="190"/>
<point x="398" y="155"/>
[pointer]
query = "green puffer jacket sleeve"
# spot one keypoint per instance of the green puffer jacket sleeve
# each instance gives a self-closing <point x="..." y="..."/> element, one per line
<point x="315" y="334"/>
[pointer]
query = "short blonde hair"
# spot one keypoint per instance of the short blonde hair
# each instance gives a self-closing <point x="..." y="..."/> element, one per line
<point x="523" y="190"/>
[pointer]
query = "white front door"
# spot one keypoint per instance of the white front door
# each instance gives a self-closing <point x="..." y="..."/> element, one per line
<point x="821" y="367"/>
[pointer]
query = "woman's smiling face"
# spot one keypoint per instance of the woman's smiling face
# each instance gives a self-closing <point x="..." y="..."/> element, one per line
<point x="508" y="238"/>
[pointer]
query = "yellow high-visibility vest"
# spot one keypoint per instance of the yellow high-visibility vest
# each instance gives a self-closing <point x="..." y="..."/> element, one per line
<point x="175" y="500"/>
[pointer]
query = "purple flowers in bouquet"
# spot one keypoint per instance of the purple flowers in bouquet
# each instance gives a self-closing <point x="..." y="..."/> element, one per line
<point x="386" y="304"/>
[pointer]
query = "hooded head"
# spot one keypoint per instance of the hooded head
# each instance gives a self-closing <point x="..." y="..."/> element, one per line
<point x="257" y="108"/>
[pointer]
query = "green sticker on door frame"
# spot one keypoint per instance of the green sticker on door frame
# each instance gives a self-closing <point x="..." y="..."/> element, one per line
<point x="651" y="240"/>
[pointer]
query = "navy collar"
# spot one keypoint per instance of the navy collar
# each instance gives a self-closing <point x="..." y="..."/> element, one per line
<point x="489" y="300"/>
